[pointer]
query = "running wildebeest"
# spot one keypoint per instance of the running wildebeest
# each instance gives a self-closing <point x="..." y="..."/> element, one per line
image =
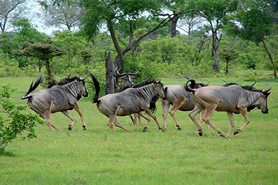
<point x="127" y="102"/>
<point x="58" y="98"/>
<point x="231" y="99"/>
<point x="127" y="83"/>
<point x="180" y="99"/>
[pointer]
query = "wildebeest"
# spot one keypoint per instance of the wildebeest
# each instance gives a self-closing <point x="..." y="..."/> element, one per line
<point x="126" y="78"/>
<point x="127" y="83"/>
<point x="127" y="102"/>
<point x="180" y="99"/>
<point x="58" y="98"/>
<point x="231" y="99"/>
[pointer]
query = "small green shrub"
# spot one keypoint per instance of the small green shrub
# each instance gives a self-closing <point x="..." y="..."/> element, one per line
<point x="250" y="75"/>
<point x="13" y="120"/>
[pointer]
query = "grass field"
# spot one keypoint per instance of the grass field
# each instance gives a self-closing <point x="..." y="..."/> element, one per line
<point x="98" y="156"/>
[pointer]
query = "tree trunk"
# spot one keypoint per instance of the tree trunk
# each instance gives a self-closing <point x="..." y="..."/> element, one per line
<point x="227" y="66"/>
<point x="174" y="25"/>
<point x="112" y="66"/>
<point x="40" y="65"/>
<point x="270" y="58"/>
<point x="214" y="52"/>
<point x="49" y="78"/>
<point x="110" y="79"/>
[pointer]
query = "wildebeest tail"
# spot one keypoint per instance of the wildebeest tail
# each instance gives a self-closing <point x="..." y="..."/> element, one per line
<point x="33" y="87"/>
<point x="97" y="87"/>
<point x="189" y="87"/>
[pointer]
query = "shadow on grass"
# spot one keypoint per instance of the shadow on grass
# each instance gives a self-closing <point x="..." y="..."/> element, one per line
<point x="5" y="153"/>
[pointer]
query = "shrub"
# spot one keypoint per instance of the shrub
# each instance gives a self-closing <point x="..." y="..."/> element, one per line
<point x="13" y="120"/>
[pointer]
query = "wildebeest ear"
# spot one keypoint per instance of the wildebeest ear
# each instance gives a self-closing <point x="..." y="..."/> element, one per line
<point x="267" y="94"/>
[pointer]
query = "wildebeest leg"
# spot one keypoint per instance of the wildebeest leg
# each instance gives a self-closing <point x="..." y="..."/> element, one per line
<point x="119" y="125"/>
<point x="112" y="118"/>
<point x="244" y="114"/>
<point x="165" y="108"/>
<point x="110" y="123"/>
<point x="134" y="121"/>
<point x="202" y="113"/>
<point x="139" y="118"/>
<point x="206" y="118"/>
<point x="148" y="120"/>
<point x="232" y="124"/>
<point x="66" y="113"/>
<point x="148" y="111"/>
<point x="47" y="119"/>
<point x="176" y="107"/>
<point x="197" y="109"/>
<point x="76" y="107"/>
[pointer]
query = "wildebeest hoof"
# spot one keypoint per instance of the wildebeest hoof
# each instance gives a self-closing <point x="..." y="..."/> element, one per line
<point x="222" y="135"/>
<point x="69" y="128"/>
<point x="145" y="129"/>
<point x="179" y="127"/>
<point x="237" y="131"/>
<point x="200" y="133"/>
<point x="84" y="127"/>
<point x="162" y="129"/>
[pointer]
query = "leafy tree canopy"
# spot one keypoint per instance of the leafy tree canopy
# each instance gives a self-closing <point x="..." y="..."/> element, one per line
<point x="99" y="12"/>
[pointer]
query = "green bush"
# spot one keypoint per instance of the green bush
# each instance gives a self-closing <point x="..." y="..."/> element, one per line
<point x="13" y="120"/>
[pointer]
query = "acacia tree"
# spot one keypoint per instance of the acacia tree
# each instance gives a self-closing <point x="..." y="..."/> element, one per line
<point x="44" y="51"/>
<point x="9" y="9"/>
<point x="112" y="14"/>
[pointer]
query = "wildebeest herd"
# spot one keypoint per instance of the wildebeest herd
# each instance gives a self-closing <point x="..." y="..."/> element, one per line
<point x="141" y="98"/>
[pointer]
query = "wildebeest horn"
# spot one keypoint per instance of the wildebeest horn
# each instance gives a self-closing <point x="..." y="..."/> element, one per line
<point x="117" y="74"/>
<point x="83" y="78"/>
<point x="134" y="74"/>
<point x="253" y="84"/>
<point x="269" y="88"/>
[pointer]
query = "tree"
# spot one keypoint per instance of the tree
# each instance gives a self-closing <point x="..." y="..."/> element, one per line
<point x="229" y="53"/>
<point x="190" y="22"/>
<point x="214" y="12"/>
<point x="24" y="32"/>
<point x="113" y="14"/>
<point x="44" y="51"/>
<point x="176" y="7"/>
<point x="9" y="9"/>
<point x="67" y="14"/>
<point x="254" y="22"/>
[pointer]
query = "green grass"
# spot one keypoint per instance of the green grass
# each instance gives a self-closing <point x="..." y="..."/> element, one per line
<point x="98" y="156"/>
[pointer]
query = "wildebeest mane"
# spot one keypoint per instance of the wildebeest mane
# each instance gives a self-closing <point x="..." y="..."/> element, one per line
<point x="64" y="81"/>
<point x="246" y="87"/>
<point x="68" y="80"/>
<point x="147" y="82"/>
